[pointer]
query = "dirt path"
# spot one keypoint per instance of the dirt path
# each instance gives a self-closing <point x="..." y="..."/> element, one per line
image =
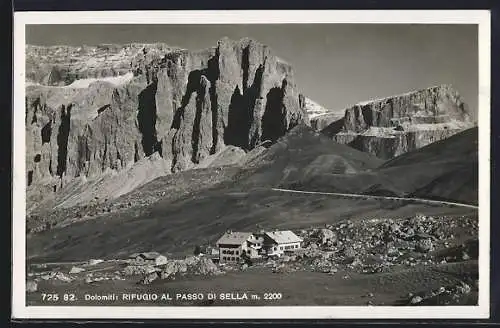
<point x="417" y="200"/>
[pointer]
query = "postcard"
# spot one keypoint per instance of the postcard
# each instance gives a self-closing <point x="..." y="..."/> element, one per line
<point x="251" y="164"/>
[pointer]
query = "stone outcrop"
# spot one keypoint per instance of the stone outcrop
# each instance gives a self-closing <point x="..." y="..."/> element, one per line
<point x="180" y="104"/>
<point x="392" y="126"/>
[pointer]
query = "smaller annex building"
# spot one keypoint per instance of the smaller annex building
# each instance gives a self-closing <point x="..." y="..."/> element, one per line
<point x="278" y="242"/>
<point x="153" y="258"/>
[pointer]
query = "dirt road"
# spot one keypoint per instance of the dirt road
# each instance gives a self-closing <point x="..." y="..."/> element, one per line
<point x="416" y="200"/>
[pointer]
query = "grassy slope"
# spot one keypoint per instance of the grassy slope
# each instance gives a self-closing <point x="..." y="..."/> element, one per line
<point x="304" y="153"/>
<point x="202" y="211"/>
<point x="201" y="217"/>
<point x="444" y="170"/>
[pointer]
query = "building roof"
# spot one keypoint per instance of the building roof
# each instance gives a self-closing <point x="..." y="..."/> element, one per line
<point x="234" y="238"/>
<point x="283" y="237"/>
<point x="256" y="240"/>
<point x="146" y="255"/>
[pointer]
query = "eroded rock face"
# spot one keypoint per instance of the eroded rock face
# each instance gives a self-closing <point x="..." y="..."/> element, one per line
<point x="395" y="125"/>
<point x="151" y="99"/>
<point x="62" y="65"/>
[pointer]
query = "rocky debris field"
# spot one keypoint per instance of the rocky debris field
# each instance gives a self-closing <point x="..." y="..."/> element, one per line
<point x="378" y="245"/>
<point x="191" y="266"/>
<point x="343" y="250"/>
<point x="169" y="187"/>
<point x="101" y="270"/>
<point x="444" y="295"/>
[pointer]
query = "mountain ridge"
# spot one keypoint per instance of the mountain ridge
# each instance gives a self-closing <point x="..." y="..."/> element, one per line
<point x="183" y="105"/>
<point x="175" y="109"/>
<point x="389" y="126"/>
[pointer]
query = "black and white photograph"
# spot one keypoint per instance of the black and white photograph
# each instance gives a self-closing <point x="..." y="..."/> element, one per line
<point x="200" y="168"/>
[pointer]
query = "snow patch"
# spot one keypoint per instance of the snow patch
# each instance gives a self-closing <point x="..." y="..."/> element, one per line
<point x="314" y="109"/>
<point x="369" y="101"/>
<point x="281" y="60"/>
<point x="390" y="132"/>
<point x="115" y="80"/>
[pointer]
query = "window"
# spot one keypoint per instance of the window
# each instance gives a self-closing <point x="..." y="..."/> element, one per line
<point x="275" y="248"/>
<point x="281" y="248"/>
<point x="248" y="251"/>
<point x="237" y="252"/>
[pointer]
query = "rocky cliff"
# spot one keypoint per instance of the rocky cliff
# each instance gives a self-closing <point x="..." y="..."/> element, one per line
<point x="395" y="125"/>
<point x="90" y="110"/>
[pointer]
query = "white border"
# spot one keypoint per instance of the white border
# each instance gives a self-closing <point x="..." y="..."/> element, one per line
<point x="481" y="17"/>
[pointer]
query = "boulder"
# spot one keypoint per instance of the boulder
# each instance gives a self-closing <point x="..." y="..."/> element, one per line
<point x="191" y="265"/>
<point x="161" y="260"/>
<point x="416" y="300"/>
<point x="63" y="277"/>
<point x="392" y="251"/>
<point x="349" y="252"/>
<point x="463" y="288"/>
<point x="75" y="270"/>
<point x="31" y="286"/>
<point x="204" y="267"/>
<point x="95" y="261"/>
<point x="149" y="278"/>
<point x="132" y="270"/>
<point x="424" y="246"/>
<point x="327" y="236"/>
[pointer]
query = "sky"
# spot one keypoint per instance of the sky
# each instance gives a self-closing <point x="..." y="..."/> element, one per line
<point x="336" y="65"/>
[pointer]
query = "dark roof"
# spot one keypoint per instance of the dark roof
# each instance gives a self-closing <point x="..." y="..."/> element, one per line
<point x="234" y="238"/>
<point x="146" y="255"/>
<point x="257" y="240"/>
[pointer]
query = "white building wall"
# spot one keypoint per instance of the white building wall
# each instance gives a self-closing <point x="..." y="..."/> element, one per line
<point x="279" y="249"/>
